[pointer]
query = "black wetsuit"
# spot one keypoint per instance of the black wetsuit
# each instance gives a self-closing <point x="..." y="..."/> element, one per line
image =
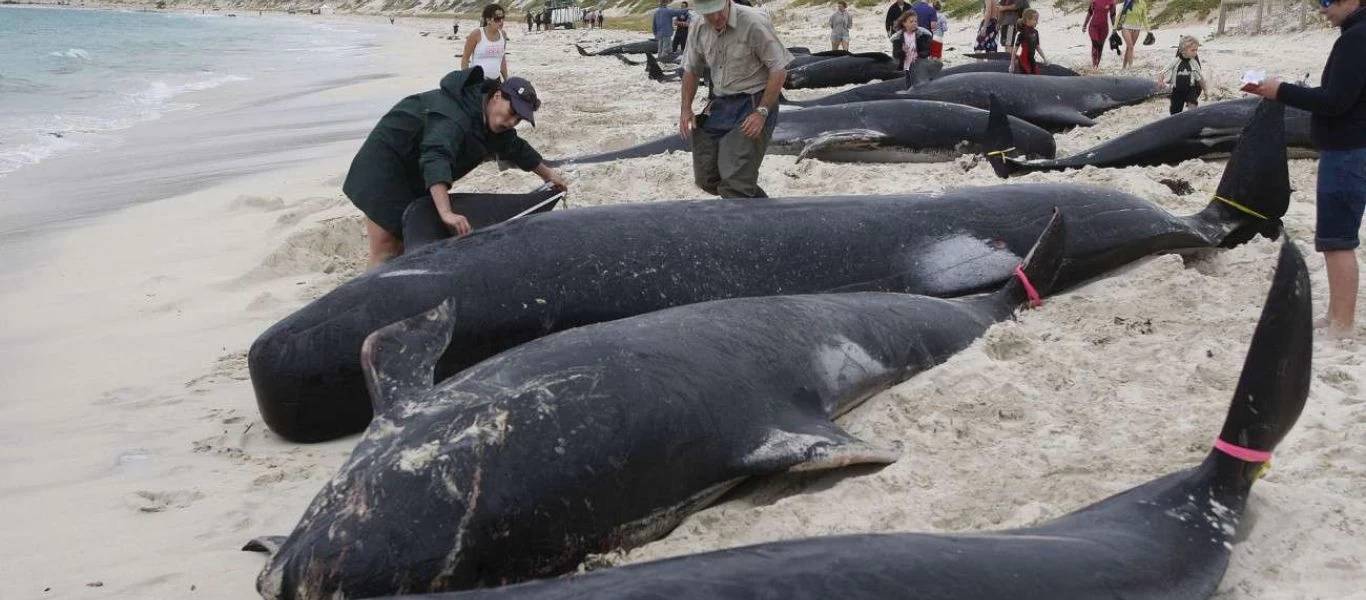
<point x="1185" y="90"/>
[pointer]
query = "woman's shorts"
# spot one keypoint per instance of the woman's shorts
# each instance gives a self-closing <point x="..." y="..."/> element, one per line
<point x="839" y="37"/>
<point x="1341" y="198"/>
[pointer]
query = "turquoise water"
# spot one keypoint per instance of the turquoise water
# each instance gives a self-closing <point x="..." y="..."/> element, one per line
<point x="73" y="79"/>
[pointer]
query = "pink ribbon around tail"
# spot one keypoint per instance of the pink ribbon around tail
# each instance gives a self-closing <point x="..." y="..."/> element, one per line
<point x="1034" y="299"/>
<point x="1241" y="453"/>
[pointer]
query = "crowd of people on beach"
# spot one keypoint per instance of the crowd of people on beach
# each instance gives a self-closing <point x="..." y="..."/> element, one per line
<point x="432" y="139"/>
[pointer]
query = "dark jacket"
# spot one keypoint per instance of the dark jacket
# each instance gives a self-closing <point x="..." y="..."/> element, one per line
<point x="437" y="136"/>
<point x="894" y="12"/>
<point x="923" y="40"/>
<point x="1339" y="104"/>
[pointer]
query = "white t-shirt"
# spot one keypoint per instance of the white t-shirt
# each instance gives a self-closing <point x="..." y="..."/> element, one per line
<point x="489" y="54"/>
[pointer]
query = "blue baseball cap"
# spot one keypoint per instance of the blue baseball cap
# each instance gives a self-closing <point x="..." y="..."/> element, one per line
<point x="522" y="95"/>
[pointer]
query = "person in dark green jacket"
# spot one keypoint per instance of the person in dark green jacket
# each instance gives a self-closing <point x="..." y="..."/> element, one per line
<point x="429" y="140"/>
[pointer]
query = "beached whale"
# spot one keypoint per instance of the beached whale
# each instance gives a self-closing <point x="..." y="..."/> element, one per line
<point x="1003" y="66"/>
<point x="988" y="55"/>
<point x="883" y="131"/>
<point x="640" y="47"/>
<point x="1050" y="102"/>
<point x="530" y="277"/>
<point x="1209" y="131"/>
<point x="649" y="46"/>
<point x="422" y="225"/>
<point x="799" y="60"/>
<point x="1170" y="538"/>
<point x="921" y="72"/>
<point x="607" y="436"/>
<point x="842" y="70"/>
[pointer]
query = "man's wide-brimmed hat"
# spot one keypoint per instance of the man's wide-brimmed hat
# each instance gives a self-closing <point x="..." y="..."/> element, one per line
<point x="706" y="7"/>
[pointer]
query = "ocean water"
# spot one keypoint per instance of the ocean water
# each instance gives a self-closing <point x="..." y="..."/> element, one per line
<point x="74" y="79"/>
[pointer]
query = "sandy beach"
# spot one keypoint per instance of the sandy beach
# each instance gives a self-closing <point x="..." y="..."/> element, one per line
<point x="135" y="463"/>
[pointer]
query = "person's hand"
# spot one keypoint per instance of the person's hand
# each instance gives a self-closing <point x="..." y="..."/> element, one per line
<point x="685" y="124"/>
<point x="556" y="178"/>
<point x="458" y="224"/>
<point x="753" y="125"/>
<point x="1268" y="89"/>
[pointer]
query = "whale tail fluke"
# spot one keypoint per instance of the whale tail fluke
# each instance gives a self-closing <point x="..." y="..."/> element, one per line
<point x="582" y="52"/>
<point x="1254" y="192"/>
<point x="1037" y="274"/>
<point x="999" y="140"/>
<point x="1274" y="383"/>
<point x="652" y="67"/>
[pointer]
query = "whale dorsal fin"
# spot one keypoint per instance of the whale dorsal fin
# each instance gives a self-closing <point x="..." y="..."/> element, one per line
<point x="399" y="359"/>
<point x="813" y="446"/>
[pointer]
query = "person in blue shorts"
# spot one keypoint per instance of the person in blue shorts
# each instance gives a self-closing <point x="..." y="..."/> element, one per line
<point x="1339" y="131"/>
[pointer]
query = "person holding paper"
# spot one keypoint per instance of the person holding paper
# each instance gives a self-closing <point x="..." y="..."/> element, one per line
<point x="1339" y="130"/>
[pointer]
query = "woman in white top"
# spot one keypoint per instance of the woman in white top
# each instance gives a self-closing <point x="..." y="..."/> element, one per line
<point x="487" y="46"/>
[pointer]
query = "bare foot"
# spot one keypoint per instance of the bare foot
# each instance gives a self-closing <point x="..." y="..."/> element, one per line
<point x="1334" y="332"/>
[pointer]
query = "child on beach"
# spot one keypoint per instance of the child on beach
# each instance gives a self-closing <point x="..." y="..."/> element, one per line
<point x="986" y="32"/>
<point x="1027" y="43"/>
<point x="1184" y="76"/>
<point x="910" y="41"/>
<point x="1097" y="26"/>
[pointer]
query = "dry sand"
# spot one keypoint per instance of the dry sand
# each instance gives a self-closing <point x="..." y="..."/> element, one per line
<point x="135" y="465"/>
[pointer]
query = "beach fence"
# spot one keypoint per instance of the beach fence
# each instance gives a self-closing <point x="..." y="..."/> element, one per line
<point x="1267" y="16"/>
<point x="1225" y="6"/>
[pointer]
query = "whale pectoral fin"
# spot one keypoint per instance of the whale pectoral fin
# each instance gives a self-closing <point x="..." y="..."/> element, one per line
<point x="1219" y="131"/>
<point x="814" y="447"/>
<point x="857" y="452"/>
<point x="399" y="360"/>
<point x="841" y="138"/>
<point x="1211" y="142"/>
<point x="269" y="544"/>
<point x="1059" y="117"/>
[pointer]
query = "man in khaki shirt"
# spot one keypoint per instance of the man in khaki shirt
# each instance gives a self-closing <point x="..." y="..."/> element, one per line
<point x="747" y="64"/>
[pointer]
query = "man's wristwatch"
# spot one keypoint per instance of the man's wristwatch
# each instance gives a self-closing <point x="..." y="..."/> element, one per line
<point x="763" y="111"/>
